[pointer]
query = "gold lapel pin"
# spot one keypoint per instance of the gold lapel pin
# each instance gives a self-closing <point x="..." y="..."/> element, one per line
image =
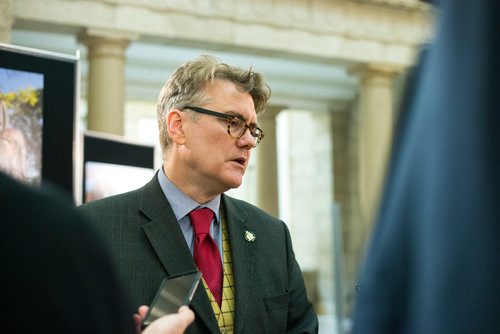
<point x="249" y="236"/>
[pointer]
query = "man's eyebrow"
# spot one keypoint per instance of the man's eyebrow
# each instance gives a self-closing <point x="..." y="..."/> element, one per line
<point x="240" y="116"/>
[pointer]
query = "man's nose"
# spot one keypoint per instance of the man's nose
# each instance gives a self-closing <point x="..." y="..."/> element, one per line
<point x="246" y="140"/>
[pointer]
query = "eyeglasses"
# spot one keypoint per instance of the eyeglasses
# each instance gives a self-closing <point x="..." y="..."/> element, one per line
<point x="236" y="125"/>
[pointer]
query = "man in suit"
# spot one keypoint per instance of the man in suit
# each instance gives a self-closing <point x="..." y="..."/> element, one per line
<point x="56" y="275"/>
<point x="207" y="115"/>
<point x="433" y="264"/>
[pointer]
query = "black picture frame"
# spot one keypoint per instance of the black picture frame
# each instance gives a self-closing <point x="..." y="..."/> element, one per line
<point x="60" y="96"/>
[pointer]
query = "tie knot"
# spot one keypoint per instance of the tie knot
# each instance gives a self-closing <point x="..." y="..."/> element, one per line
<point x="201" y="219"/>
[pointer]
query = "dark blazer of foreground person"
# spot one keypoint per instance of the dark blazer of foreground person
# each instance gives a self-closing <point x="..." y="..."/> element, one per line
<point x="55" y="276"/>
<point x="434" y="262"/>
<point x="148" y="245"/>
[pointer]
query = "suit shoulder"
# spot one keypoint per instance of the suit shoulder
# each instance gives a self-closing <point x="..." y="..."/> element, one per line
<point x="130" y="198"/>
<point x="251" y="210"/>
<point x="111" y="200"/>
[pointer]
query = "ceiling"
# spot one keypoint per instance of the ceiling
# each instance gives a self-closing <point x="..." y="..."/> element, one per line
<point x="296" y="84"/>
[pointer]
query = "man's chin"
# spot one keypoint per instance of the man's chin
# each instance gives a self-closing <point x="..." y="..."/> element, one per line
<point x="233" y="184"/>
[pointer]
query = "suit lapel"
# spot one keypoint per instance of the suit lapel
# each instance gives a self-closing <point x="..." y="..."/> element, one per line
<point x="242" y="253"/>
<point x="167" y="240"/>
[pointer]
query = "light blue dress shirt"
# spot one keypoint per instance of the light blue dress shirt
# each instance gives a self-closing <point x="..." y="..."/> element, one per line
<point x="182" y="205"/>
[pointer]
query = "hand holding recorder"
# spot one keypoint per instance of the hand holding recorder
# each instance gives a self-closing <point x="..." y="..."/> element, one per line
<point x="175" y="323"/>
<point x="174" y="294"/>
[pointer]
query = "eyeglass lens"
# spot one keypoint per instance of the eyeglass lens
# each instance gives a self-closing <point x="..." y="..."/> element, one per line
<point x="237" y="128"/>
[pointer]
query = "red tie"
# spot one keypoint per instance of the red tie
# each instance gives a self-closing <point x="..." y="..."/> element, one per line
<point x="206" y="253"/>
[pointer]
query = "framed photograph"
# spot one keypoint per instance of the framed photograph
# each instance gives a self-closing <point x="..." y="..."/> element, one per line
<point x="38" y="98"/>
<point x="113" y="165"/>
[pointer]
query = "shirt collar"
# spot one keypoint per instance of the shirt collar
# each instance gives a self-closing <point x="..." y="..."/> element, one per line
<point x="181" y="203"/>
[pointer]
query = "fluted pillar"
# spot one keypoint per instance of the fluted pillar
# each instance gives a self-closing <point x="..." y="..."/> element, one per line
<point x="267" y="167"/>
<point x="106" y="79"/>
<point x="376" y="124"/>
<point x="6" y="21"/>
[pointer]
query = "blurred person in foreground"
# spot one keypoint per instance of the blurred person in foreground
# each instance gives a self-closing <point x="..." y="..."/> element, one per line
<point x="182" y="220"/>
<point x="433" y="265"/>
<point x="56" y="275"/>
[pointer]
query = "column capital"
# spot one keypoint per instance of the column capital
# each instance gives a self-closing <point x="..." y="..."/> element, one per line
<point x="109" y="34"/>
<point x="369" y="71"/>
<point x="106" y="42"/>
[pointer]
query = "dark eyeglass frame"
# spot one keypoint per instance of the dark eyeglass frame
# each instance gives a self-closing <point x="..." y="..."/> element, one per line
<point x="256" y="135"/>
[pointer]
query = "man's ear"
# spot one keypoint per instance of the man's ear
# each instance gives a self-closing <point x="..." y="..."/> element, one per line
<point x="175" y="128"/>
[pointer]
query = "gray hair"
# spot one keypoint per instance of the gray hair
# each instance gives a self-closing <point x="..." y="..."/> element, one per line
<point x="185" y="87"/>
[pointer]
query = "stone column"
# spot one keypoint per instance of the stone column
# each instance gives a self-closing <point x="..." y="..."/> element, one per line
<point x="376" y="122"/>
<point x="267" y="167"/>
<point x="6" y="21"/>
<point x="106" y="79"/>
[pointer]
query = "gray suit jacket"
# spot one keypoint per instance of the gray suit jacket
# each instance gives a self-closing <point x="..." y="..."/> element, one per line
<point x="148" y="245"/>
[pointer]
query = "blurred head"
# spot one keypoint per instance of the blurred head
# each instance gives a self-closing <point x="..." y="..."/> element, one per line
<point x="186" y="87"/>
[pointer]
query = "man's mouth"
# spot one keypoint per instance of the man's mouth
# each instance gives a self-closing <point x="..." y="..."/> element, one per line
<point x="242" y="161"/>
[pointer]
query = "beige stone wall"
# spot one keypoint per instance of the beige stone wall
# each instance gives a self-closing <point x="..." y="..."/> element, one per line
<point x="340" y="30"/>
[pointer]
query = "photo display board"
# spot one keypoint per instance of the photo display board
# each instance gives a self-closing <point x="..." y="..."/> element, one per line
<point x="38" y="98"/>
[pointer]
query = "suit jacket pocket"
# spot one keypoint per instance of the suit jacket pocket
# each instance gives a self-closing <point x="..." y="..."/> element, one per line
<point x="276" y="302"/>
